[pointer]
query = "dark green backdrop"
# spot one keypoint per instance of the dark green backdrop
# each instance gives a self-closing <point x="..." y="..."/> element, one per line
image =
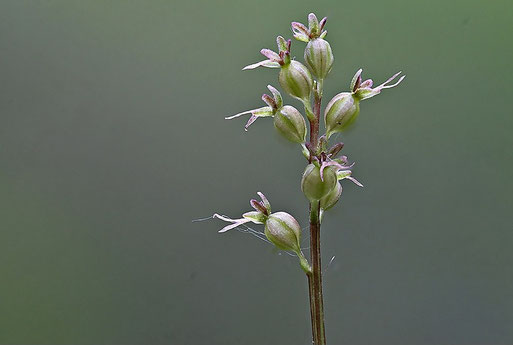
<point x="112" y="140"/>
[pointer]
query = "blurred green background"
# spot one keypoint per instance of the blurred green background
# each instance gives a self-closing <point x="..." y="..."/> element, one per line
<point x="112" y="140"/>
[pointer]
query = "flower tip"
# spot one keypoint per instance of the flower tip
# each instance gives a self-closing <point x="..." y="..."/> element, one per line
<point x="355" y="181"/>
<point x="385" y="86"/>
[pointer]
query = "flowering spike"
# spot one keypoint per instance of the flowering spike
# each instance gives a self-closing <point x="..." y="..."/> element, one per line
<point x="321" y="180"/>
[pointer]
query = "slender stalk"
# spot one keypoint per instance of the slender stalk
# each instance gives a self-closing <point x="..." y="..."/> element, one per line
<point x="312" y="307"/>
<point x="315" y="277"/>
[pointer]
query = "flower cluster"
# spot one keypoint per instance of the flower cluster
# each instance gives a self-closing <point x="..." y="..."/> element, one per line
<point x="326" y="169"/>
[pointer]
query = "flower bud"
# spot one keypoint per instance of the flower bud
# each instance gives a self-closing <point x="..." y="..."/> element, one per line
<point x="283" y="231"/>
<point x="319" y="57"/>
<point x="341" y="112"/>
<point x="313" y="186"/>
<point x="331" y="198"/>
<point x="296" y="80"/>
<point x="291" y="124"/>
<point x="344" y="108"/>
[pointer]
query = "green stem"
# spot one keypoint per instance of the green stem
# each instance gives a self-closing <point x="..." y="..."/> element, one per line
<point x="315" y="277"/>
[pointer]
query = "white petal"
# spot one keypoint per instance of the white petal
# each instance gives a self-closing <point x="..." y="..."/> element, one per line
<point x="265" y="63"/>
<point x="240" y="114"/>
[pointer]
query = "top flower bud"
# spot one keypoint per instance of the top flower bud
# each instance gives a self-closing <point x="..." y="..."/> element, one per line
<point x="314" y="30"/>
<point x="318" y="53"/>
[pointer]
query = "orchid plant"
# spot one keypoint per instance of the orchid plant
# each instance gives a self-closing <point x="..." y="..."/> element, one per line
<point x="326" y="168"/>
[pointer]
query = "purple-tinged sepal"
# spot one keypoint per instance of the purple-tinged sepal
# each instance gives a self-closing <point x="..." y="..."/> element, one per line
<point x="265" y="202"/>
<point x="300" y="32"/>
<point x="342" y="169"/>
<point x="274" y="103"/>
<point x="278" y="100"/>
<point x="335" y="149"/>
<point x="295" y="78"/>
<point x="315" y="29"/>
<point x="274" y="60"/>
